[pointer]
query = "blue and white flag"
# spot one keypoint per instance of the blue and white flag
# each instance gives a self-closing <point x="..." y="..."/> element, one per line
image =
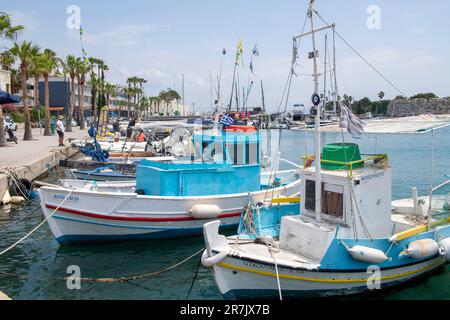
<point x="255" y="51"/>
<point x="349" y="121"/>
<point x="227" y="120"/>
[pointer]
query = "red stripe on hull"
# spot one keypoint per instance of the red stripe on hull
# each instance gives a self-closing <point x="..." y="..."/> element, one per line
<point x="100" y="216"/>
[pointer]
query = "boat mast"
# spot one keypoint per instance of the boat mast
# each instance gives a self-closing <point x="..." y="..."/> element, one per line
<point x="263" y="101"/>
<point x="325" y="77"/>
<point x="335" y="95"/>
<point x="317" y="143"/>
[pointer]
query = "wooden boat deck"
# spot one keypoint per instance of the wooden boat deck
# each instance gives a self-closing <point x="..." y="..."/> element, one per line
<point x="261" y="253"/>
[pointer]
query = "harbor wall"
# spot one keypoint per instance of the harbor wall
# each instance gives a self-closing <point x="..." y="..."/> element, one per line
<point x="37" y="167"/>
<point x="414" y="107"/>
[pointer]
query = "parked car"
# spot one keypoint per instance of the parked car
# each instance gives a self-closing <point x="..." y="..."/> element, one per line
<point x="9" y="123"/>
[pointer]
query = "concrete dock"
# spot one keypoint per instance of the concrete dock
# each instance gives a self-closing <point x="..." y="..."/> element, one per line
<point x="31" y="159"/>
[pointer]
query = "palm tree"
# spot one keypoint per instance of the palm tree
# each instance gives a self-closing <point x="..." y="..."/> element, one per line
<point x="82" y="69"/>
<point x="25" y="51"/>
<point x="6" y="60"/>
<point x="110" y="91"/>
<point x="381" y="96"/>
<point x="95" y="84"/>
<point x="144" y="103"/>
<point x="129" y="92"/>
<point x="168" y="96"/>
<point x="36" y="71"/>
<point x="7" y="31"/>
<point x="49" y="65"/>
<point x="70" y="67"/>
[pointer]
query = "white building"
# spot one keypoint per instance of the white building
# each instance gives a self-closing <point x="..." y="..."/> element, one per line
<point x="5" y="80"/>
<point x="171" y="109"/>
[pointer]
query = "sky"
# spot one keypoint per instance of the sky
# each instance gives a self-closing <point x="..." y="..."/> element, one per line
<point x="160" y="40"/>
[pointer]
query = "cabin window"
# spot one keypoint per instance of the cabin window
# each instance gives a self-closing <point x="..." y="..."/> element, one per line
<point x="239" y="159"/>
<point x="310" y="195"/>
<point x="332" y="198"/>
<point x="231" y="155"/>
<point x="252" y="153"/>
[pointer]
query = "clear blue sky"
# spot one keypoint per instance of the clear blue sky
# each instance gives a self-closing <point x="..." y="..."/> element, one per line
<point x="161" y="40"/>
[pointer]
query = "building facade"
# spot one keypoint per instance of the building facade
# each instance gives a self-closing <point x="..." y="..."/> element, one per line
<point x="5" y="80"/>
<point x="60" y="90"/>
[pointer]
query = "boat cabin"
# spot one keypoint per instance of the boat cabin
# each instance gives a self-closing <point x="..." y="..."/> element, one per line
<point x="355" y="201"/>
<point x="220" y="164"/>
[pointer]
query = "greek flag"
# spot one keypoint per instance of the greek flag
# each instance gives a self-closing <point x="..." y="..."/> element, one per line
<point x="227" y="120"/>
<point x="349" y="121"/>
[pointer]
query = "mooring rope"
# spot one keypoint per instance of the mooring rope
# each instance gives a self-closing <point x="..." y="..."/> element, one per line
<point x="11" y="173"/>
<point x="110" y="280"/>
<point x="37" y="227"/>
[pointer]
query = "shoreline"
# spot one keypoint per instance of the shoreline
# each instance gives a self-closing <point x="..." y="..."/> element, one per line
<point x="32" y="159"/>
<point x="403" y="125"/>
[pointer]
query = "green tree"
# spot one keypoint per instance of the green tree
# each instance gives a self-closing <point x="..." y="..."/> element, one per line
<point x="81" y="72"/>
<point x="69" y="66"/>
<point x="427" y="96"/>
<point x="49" y="65"/>
<point x="24" y="52"/>
<point x="7" y="60"/>
<point x="9" y="32"/>
<point x="381" y="95"/>
<point x="36" y="71"/>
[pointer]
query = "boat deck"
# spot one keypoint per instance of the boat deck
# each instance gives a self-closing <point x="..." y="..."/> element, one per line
<point x="261" y="252"/>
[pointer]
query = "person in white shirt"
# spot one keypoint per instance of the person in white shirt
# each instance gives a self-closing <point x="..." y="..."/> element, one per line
<point x="60" y="130"/>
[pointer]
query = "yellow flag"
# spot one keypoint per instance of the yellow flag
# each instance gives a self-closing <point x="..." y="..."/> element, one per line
<point x="240" y="51"/>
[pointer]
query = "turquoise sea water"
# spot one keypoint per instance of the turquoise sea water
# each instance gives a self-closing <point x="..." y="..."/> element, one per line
<point x="44" y="262"/>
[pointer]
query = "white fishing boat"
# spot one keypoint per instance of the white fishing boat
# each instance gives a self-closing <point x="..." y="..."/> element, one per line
<point x="346" y="239"/>
<point x="170" y="199"/>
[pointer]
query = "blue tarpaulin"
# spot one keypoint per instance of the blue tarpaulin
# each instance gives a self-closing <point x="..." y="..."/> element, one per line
<point x="6" y="98"/>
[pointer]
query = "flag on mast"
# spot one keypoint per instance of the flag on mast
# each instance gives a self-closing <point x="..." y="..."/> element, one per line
<point x="240" y="51"/>
<point x="349" y="121"/>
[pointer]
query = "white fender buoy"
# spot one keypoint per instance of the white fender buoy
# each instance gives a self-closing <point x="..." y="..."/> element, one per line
<point x="17" y="200"/>
<point x="444" y="248"/>
<point x="208" y="262"/>
<point x="366" y="254"/>
<point x="205" y="211"/>
<point x="423" y="248"/>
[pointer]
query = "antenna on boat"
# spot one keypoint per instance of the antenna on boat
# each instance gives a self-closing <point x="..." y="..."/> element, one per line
<point x="335" y="95"/>
<point x="316" y="101"/>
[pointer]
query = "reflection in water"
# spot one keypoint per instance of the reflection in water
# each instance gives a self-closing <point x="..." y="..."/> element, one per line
<point x="45" y="263"/>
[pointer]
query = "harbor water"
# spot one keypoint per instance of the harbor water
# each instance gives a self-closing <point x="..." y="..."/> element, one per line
<point x="35" y="269"/>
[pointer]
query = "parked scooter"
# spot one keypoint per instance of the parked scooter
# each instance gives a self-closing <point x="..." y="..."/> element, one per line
<point x="12" y="136"/>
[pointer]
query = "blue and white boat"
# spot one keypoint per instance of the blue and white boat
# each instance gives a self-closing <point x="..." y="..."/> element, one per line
<point x="169" y="200"/>
<point x="353" y="245"/>
<point x="346" y="240"/>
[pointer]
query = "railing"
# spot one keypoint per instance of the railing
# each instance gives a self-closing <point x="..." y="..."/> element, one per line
<point x="307" y="161"/>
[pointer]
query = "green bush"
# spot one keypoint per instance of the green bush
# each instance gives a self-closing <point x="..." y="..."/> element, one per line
<point x="18" y="117"/>
<point x="34" y="114"/>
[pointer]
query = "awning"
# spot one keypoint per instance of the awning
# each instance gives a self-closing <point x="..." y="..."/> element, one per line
<point x="6" y="98"/>
<point x="56" y="108"/>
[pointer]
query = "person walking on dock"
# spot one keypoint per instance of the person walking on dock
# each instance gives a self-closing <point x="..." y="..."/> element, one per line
<point x="60" y="130"/>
